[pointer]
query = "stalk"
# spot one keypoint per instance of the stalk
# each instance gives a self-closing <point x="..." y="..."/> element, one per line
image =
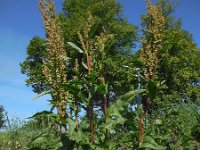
<point x="91" y="105"/>
<point x="102" y="79"/>
<point x="105" y="101"/>
<point x="85" y="45"/>
<point x="141" y="132"/>
<point x="76" y="114"/>
<point x="76" y="100"/>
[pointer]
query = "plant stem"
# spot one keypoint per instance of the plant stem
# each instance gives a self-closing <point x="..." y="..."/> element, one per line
<point x="141" y="129"/>
<point x="10" y="128"/>
<point x="91" y="105"/>
<point x="76" y="114"/>
<point x="91" y="121"/>
<point x="105" y="107"/>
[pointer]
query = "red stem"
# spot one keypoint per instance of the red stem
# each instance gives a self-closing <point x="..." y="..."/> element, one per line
<point x="141" y="128"/>
<point x="91" y="121"/>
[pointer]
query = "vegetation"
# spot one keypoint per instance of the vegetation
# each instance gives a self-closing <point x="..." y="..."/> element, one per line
<point x="106" y="96"/>
<point x="2" y="117"/>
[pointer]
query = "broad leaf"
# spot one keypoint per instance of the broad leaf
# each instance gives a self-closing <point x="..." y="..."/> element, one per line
<point x="75" y="47"/>
<point x="41" y="94"/>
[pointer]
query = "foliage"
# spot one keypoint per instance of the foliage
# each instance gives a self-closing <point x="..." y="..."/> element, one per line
<point x="2" y="117"/>
<point x="32" y="66"/>
<point x="104" y="19"/>
<point x="45" y="141"/>
<point x="180" y="52"/>
<point x="86" y="65"/>
<point x="17" y="135"/>
<point x="174" y="125"/>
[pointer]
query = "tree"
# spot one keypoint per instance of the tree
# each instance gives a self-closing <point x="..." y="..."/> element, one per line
<point x="32" y="66"/>
<point x="107" y="16"/>
<point x="179" y="65"/>
<point x="2" y="117"/>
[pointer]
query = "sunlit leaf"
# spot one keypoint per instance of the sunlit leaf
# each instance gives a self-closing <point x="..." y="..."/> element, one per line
<point x="75" y="47"/>
<point x="41" y="94"/>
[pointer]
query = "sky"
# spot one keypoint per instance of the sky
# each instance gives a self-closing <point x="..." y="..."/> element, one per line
<point x="20" y="20"/>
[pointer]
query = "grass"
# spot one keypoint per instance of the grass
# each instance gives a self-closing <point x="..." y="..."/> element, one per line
<point x="17" y="135"/>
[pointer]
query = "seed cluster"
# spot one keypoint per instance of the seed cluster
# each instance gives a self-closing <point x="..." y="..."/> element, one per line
<point x="153" y="42"/>
<point x="54" y="65"/>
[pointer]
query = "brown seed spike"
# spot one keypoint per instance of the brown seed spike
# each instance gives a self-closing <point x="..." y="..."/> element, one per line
<point x="149" y="53"/>
<point x="54" y="66"/>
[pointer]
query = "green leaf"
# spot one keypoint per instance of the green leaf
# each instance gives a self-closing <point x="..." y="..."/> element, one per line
<point x="41" y="94"/>
<point x="45" y="112"/>
<point x="84" y="65"/>
<point x="115" y="109"/>
<point x="132" y="124"/>
<point x="149" y="142"/>
<point x="39" y="139"/>
<point x="148" y="31"/>
<point x="102" y="89"/>
<point x="148" y="139"/>
<point x="92" y="76"/>
<point x="128" y="96"/>
<point x="151" y="146"/>
<point x="75" y="47"/>
<point x="46" y="141"/>
<point x="57" y="145"/>
<point x="152" y="89"/>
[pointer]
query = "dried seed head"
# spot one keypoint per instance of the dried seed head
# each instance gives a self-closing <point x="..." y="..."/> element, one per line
<point x="153" y="43"/>
<point x="54" y="66"/>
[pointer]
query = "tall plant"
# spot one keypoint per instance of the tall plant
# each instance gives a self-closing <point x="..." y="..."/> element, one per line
<point x="54" y="65"/>
<point x="149" y="54"/>
<point x="95" y="55"/>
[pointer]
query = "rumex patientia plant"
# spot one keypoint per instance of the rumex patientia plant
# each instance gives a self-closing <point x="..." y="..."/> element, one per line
<point x="54" y="65"/>
<point x="149" y="55"/>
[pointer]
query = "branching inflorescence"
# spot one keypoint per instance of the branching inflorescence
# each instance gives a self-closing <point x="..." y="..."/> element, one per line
<point x="54" y="67"/>
<point x="155" y="24"/>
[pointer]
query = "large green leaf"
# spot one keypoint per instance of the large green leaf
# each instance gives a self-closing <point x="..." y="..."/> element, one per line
<point x="124" y="100"/>
<point x="150" y="143"/>
<point x="151" y="146"/>
<point x="45" y="112"/>
<point x="84" y="65"/>
<point x="41" y="94"/>
<point x="75" y="47"/>
<point x="45" y="141"/>
<point x="115" y="110"/>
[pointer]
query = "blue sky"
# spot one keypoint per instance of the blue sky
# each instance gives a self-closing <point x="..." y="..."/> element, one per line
<point x="20" y="20"/>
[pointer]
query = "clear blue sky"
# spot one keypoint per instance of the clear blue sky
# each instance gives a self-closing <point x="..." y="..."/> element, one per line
<point x="20" y="20"/>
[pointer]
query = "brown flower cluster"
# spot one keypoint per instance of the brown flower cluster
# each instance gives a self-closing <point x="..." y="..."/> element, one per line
<point x="94" y="48"/>
<point x="54" y="67"/>
<point x="152" y="43"/>
<point x="86" y="43"/>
